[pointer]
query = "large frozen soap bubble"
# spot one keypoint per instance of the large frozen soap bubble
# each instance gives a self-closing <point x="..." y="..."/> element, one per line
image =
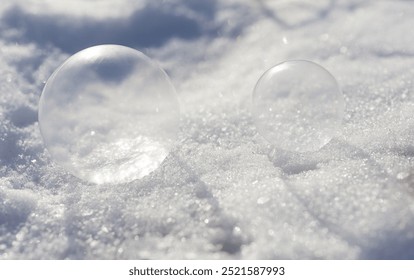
<point x="298" y="106"/>
<point x="109" y="114"/>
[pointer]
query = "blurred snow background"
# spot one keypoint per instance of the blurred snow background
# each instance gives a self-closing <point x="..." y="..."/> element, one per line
<point x="223" y="192"/>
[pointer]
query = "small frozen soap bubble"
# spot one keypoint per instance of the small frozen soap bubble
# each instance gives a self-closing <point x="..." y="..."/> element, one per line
<point x="109" y="114"/>
<point x="297" y="106"/>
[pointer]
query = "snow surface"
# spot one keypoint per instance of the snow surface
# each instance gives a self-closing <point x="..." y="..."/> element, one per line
<point x="223" y="192"/>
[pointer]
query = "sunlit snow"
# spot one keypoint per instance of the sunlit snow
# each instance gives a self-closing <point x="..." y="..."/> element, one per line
<point x="223" y="192"/>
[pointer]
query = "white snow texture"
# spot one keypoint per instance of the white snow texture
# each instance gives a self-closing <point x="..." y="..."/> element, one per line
<point x="223" y="192"/>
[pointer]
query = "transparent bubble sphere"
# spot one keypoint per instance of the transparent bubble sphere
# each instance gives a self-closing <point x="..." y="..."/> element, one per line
<point x="109" y="114"/>
<point x="298" y="106"/>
